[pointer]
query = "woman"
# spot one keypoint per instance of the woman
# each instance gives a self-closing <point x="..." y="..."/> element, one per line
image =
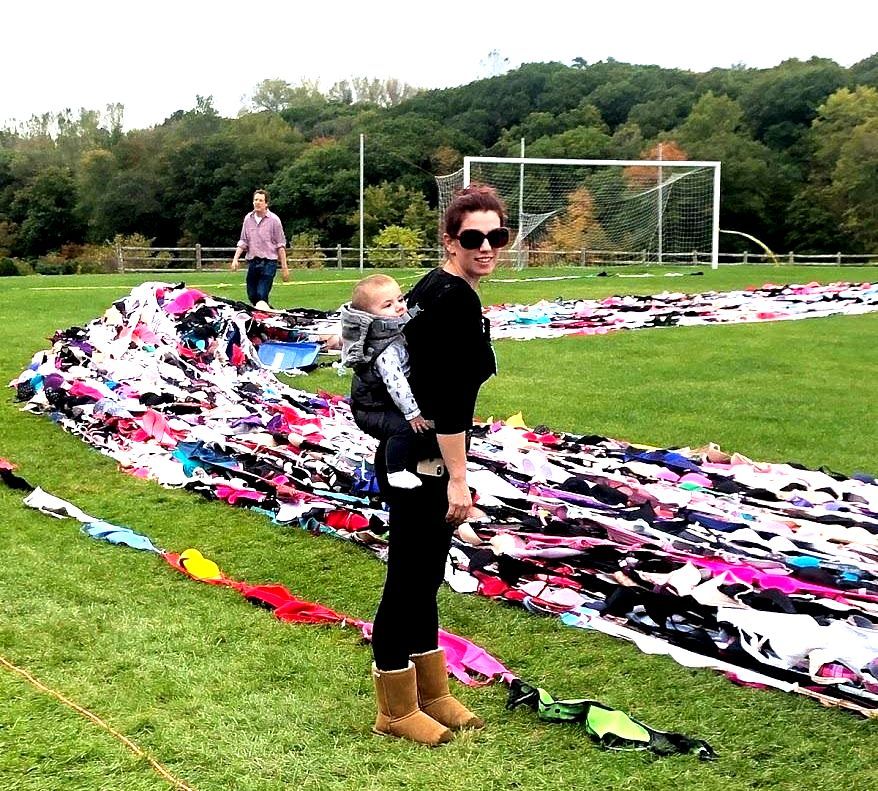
<point x="451" y="357"/>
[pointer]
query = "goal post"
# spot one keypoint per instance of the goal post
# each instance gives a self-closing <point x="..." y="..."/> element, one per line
<point x="622" y="210"/>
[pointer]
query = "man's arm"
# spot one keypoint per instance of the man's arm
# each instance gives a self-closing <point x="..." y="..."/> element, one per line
<point x="282" y="260"/>
<point x="242" y="246"/>
<point x="238" y="251"/>
<point x="279" y="241"/>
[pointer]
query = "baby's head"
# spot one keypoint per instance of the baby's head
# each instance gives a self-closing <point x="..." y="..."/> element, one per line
<point x="379" y="295"/>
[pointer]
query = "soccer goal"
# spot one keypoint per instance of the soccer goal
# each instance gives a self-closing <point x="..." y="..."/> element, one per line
<point x="601" y="211"/>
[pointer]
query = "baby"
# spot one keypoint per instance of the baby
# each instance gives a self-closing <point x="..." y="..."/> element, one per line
<point x="381" y="398"/>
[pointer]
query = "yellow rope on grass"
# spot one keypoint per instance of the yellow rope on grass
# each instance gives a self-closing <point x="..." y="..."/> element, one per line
<point x="404" y="278"/>
<point x="165" y="774"/>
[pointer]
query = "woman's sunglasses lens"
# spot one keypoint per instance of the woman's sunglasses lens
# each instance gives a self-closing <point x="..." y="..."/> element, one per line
<point x="499" y="237"/>
<point x="471" y="239"/>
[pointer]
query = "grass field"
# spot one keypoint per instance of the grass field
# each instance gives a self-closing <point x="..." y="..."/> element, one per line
<point x="227" y="697"/>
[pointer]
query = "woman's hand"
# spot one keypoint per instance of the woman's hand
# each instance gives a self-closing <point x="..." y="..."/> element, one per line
<point x="460" y="501"/>
<point x="453" y="448"/>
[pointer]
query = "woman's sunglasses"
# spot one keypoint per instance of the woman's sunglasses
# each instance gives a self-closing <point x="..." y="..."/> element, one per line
<point x="471" y="239"/>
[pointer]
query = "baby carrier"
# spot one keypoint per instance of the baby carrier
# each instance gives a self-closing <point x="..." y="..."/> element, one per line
<point x="363" y="338"/>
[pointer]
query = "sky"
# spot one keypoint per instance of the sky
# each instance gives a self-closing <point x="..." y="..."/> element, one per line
<point x="156" y="56"/>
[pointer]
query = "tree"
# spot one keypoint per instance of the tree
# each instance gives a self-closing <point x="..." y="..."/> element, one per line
<point x="305" y="251"/>
<point x="309" y="116"/>
<point x="277" y="95"/>
<point x="756" y="185"/>
<point x="396" y="246"/>
<point x="853" y="182"/>
<point x="837" y="117"/>
<point x="866" y="71"/>
<point x="584" y="114"/>
<point x="627" y="141"/>
<point x="580" y="143"/>
<point x="646" y="176"/>
<point x="97" y="169"/>
<point x="341" y="92"/>
<point x="7" y="181"/>
<point x="8" y="237"/>
<point x="45" y="212"/>
<point x="208" y="180"/>
<point x="270" y="95"/>
<point x="371" y="90"/>
<point x="115" y="117"/>
<point x="537" y="125"/>
<point x="504" y="100"/>
<point x="203" y="119"/>
<point x="398" y="91"/>
<point x="615" y="100"/>
<point x="445" y="159"/>
<point x="78" y="134"/>
<point x="660" y="115"/>
<point x="780" y="103"/>
<point x="812" y="225"/>
<point x="400" y="145"/>
<point x="394" y="204"/>
<point x="826" y="214"/>
<point x="543" y="124"/>
<point x="475" y="124"/>
<point x="319" y="191"/>
<point x="420" y="217"/>
<point x="577" y="228"/>
<point x="712" y="115"/>
<point x="730" y="82"/>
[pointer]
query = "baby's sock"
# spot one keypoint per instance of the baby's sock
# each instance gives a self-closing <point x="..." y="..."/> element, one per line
<point x="403" y="480"/>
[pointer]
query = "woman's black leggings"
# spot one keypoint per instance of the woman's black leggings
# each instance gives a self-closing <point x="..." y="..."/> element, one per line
<point x="407" y="621"/>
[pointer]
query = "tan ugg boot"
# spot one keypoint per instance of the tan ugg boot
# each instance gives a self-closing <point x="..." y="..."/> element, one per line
<point x="398" y="712"/>
<point x="435" y="698"/>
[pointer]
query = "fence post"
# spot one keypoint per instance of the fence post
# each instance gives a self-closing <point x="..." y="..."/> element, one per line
<point x="338" y="255"/>
<point x="582" y="257"/>
<point x="744" y="259"/>
<point x="120" y="262"/>
<point x="198" y="257"/>
<point x="838" y="258"/>
<point x="792" y="258"/>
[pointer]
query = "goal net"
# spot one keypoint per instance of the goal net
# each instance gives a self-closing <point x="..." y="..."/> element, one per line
<point x="585" y="211"/>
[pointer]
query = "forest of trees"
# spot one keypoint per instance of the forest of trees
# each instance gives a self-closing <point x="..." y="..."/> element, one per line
<point x="798" y="143"/>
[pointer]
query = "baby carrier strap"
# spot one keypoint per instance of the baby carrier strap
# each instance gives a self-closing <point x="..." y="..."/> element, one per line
<point x="365" y="336"/>
<point x="428" y="291"/>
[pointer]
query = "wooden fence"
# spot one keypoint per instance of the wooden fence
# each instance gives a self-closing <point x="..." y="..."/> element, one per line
<point x="200" y="258"/>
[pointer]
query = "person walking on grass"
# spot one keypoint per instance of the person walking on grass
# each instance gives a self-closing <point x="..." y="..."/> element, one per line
<point x="450" y="357"/>
<point x="264" y="246"/>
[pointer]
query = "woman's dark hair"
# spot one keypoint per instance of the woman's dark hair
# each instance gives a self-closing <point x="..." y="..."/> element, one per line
<point x="475" y="197"/>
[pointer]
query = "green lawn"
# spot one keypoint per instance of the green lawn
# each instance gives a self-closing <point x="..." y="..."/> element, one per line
<point x="227" y="697"/>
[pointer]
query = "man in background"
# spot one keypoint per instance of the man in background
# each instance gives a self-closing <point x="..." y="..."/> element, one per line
<point x="263" y="245"/>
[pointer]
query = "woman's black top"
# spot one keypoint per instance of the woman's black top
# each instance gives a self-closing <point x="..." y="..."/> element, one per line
<point x="449" y="344"/>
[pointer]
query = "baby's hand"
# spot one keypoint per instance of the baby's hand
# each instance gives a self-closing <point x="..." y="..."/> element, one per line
<point x="419" y="425"/>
